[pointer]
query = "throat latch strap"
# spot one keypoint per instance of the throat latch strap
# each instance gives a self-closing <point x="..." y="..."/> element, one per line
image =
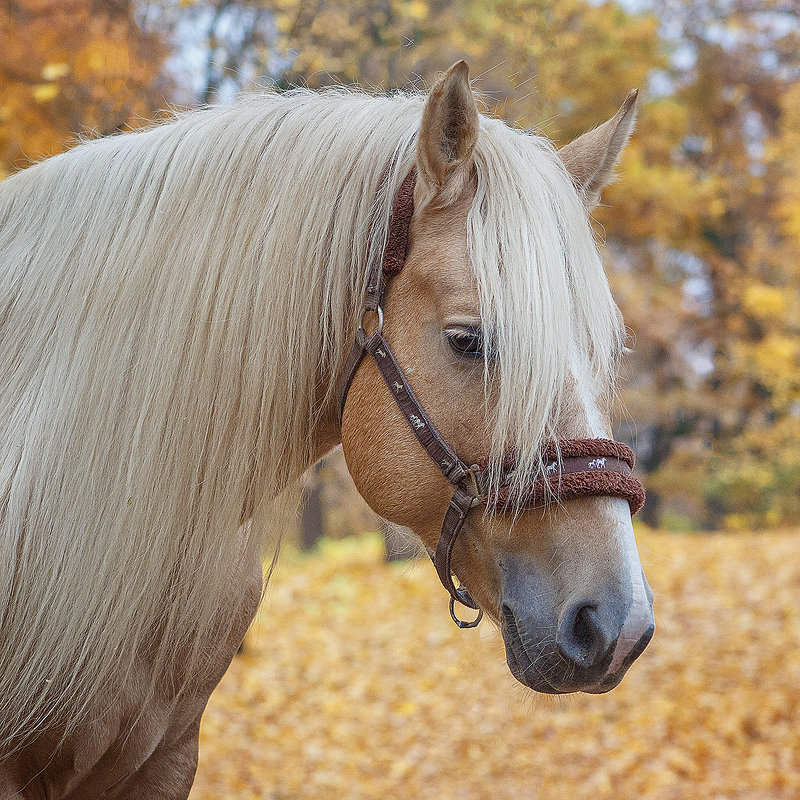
<point x="466" y="494"/>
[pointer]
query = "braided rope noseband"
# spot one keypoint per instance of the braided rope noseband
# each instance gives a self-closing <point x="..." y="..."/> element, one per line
<point x="573" y="467"/>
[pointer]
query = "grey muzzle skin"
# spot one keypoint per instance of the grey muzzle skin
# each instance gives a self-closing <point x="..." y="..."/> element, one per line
<point x="560" y="640"/>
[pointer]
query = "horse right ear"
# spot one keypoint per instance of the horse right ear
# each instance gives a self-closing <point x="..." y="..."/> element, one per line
<point x="448" y="133"/>
<point x="590" y="159"/>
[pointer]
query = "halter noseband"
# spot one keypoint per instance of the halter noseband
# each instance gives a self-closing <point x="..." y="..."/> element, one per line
<point x="573" y="467"/>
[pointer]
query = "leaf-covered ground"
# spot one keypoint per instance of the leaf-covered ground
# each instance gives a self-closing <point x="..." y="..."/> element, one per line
<point x="356" y="684"/>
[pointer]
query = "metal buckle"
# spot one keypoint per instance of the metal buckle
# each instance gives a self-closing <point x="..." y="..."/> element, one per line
<point x="460" y="622"/>
<point x="472" y="485"/>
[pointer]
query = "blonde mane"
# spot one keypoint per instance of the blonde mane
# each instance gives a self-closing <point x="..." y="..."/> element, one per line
<point x="175" y="306"/>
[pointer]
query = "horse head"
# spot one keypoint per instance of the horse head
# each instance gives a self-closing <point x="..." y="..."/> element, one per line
<point x="504" y="331"/>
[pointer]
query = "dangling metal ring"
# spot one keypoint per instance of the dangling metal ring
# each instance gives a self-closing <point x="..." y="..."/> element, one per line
<point x="460" y="622"/>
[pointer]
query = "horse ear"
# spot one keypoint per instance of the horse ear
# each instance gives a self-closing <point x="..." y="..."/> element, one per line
<point x="449" y="130"/>
<point x="591" y="158"/>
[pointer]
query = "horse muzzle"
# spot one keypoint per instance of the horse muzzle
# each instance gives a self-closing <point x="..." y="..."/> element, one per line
<point x="584" y="644"/>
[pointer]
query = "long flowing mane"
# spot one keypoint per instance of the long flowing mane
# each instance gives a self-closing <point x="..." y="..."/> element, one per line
<point x="175" y="306"/>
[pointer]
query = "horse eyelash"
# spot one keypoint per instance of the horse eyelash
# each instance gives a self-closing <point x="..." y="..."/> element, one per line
<point x="452" y="335"/>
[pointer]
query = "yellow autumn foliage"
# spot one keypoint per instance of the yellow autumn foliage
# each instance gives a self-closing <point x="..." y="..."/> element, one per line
<point x="70" y="67"/>
<point x="43" y="92"/>
<point x="763" y="301"/>
<point x="355" y="684"/>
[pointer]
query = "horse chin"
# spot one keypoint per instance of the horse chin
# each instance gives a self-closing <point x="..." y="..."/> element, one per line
<point x="539" y="674"/>
<point x="545" y="672"/>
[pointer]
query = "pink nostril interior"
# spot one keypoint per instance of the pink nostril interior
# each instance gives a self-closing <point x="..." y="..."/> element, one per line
<point x="637" y="624"/>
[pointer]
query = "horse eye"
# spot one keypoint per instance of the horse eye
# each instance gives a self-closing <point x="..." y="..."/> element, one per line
<point x="466" y="342"/>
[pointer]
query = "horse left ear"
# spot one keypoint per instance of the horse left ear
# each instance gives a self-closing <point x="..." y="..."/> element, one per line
<point x="448" y="132"/>
<point x="591" y="158"/>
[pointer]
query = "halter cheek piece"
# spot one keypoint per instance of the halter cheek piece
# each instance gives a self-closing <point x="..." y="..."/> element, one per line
<point x="573" y="467"/>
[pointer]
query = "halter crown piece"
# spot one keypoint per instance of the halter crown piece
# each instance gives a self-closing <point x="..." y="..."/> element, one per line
<point x="573" y="467"/>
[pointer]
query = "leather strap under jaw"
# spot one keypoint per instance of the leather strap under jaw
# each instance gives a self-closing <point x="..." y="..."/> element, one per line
<point x="460" y="505"/>
<point x="465" y="489"/>
<point x="573" y="468"/>
<point x="457" y="473"/>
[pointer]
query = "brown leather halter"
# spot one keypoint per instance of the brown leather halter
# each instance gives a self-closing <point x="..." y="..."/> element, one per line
<point x="573" y="467"/>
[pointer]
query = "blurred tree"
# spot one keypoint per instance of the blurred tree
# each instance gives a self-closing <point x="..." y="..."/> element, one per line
<point x="703" y="233"/>
<point x="580" y="54"/>
<point x="312" y="512"/>
<point x="727" y="439"/>
<point x="72" y="66"/>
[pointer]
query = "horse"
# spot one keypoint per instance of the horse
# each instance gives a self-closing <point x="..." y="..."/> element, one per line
<point x="178" y="311"/>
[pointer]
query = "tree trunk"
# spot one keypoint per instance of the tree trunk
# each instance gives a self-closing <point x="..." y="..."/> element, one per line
<point x="313" y="513"/>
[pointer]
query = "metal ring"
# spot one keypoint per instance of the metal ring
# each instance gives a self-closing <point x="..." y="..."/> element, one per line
<point x="379" y="312"/>
<point x="460" y="622"/>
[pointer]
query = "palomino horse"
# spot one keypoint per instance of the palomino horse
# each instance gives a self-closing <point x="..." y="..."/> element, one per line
<point x="177" y="307"/>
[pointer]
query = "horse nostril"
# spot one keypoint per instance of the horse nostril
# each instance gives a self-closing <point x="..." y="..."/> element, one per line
<point x="581" y="637"/>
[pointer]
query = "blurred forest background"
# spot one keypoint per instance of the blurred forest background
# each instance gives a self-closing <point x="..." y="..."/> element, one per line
<point x="702" y="233"/>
